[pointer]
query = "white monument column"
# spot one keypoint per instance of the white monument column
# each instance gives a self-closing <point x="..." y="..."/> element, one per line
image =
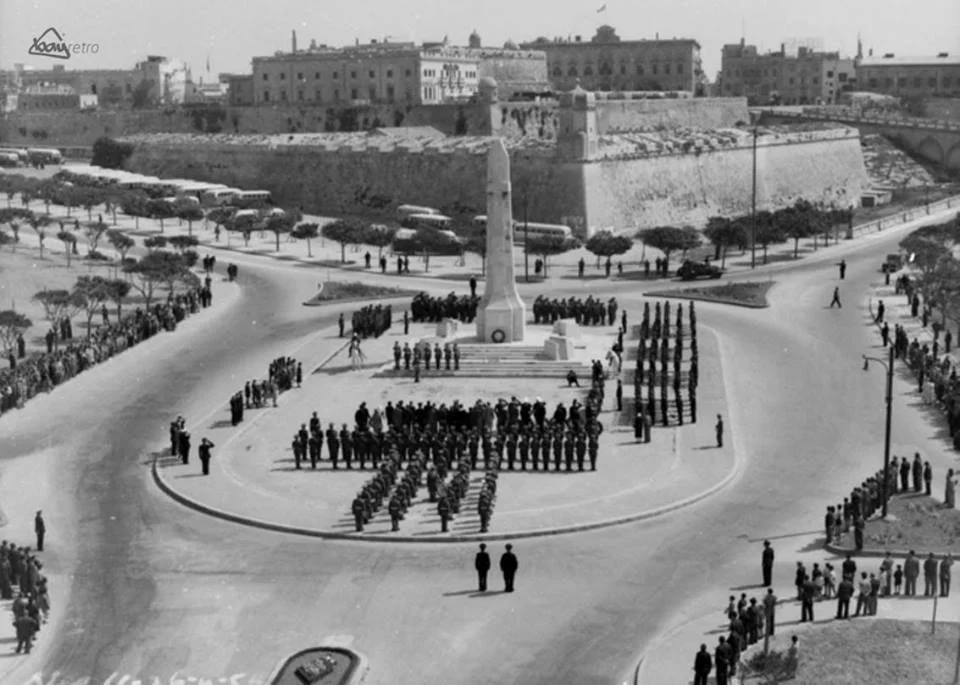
<point x="501" y="315"/>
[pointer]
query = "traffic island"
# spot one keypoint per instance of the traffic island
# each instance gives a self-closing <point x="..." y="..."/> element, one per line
<point x="751" y="294"/>
<point x="254" y="479"/>
<point x="343" y="291"/>
<point x="321" y="666"/>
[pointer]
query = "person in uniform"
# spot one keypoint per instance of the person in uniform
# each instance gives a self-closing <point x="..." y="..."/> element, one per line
<point x="509" y="566"/>
<point x="184" y="437"/>
<point x="766" y="563"/>
<point x="482" y="565"/>
<point x="581" y="450"/>
<point x="719" y="430"/>
<point x="397" y="353"/>
<point x="406" y="324"/>
<point x="568" y="450"/>
<point x="524" y="445"/>
<point x="535" y="450"/>
<point x="346" y="445"/>
<point x="358" y="513"/>
<point x="341" y="322"/>
<point x="619" y="395"/>
<point x="443" y="510"/>
<point x="407" y="354"/>
<point x="593" y="447"/>
<point x="314" y="450"/>
<point x="456" y="357"/>
<point x="204" y="451"/>
<point x="395" y="510"/>
<point x="836" y="298"/>
<point x="295" y="446"/>
<point x="40" y="528"/>
<point x="447" y="355"/>
<point x="511" y="451"/>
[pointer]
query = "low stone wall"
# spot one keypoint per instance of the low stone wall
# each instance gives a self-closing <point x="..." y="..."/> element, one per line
<point x="704" y="113"/>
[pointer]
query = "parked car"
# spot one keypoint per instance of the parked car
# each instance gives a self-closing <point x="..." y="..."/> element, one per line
<point x="691" y="270"/>
<point x="893" y="263"/>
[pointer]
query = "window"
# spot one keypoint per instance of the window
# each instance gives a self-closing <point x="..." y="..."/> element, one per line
<point x="389" y="73"/>
<point x="283" y="76"/>
<point x="353" y="94"/>
<point x="283" y="95"/>
<point x="946" y="81"/>
<point x="917" y="81"/>
<point x="557" y="71"/>
<point x="318" y="96"/>
<point x="408" y="76"/>
<point x="572" y="71"/>
<point x="353" y="74"/>
<point x="901" y="81"/>
<point x="588" y="70"/>
<point x="300" y="95"/>
<point x="336" y="75"/>
<point x="266" y="77"/>
<point x="888" y="82"/>
<point x="791" y="80"/>
<point x="680" y="68"/>
<point x="266" y="96"/>
<point x="842" y="77"/>
<point x="829" y="74"/>
<point x="390" y="94"/>
<point x="666" y="68"/>
<point x="640" y="69"/>
<point x="932" y="82"/>
<point x="816" y="80"/>
<point x="655" y="69"/>
<point x="623" y="69"/>
<point x="336" y="94"/>
<point x="372" y="74"/>
<point x="373" y="93"/>
<point x="317" y="76"/>
<point x="299" y="75"/>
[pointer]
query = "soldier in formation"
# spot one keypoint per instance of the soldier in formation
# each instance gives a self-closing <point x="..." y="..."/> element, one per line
<point x="589" y="312"/>
<point x="426" y="307"/>
<point x="372" y="321"/>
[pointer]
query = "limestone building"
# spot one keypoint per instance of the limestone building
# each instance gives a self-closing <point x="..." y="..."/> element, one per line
<point x="910" y="76"/>
<point x="808" y="77"/>
<point x="607" y="63"/>
<point x="392" y="72"/>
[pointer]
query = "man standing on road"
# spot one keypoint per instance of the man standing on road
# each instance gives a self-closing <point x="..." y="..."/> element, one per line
<point x="911" y="570"/>
<point x="836" y="298"/>
<point x="930" y="576"/>
<point x="40" y="528"/>
<point x="945" y="565"/>
<point x="843" y="269"/>
<point x="808" y="593"/>
<point x="341" y="322"/>
<point x="844" y="593"/>
<point x="721" y="659"/>
<point x="204" y="451"/>
<point x="766" y="563"/>
<point x="482" y="564"/>
<point x="881" y="310"/>
<point x="473" y="286"/>
<point x="719" y="429"/>
<point x="509" y="566"/>
<point x="619" y="395"/>
<point x="770" y="611"/>
<point x="702" y="665"/>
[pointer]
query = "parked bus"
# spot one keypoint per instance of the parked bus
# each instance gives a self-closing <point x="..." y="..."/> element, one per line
<point x="44" y="155"/>
<point x="218" y="196"/>
<point x="20" y="153"/>
<point x="437" y="222"/>
<point x="533" y="229"/>
<point x="9" y="159"/>
<point x="253" y="196"/>
<point x="406" y="211"/>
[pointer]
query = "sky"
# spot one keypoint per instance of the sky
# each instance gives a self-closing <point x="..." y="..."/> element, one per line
<point x="231" y="32"/>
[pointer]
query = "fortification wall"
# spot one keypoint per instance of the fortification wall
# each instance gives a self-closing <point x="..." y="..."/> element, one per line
<point x="625" y="115"/>
<point x="942" y="108"/>
<point x="372" y="182"/>
<point x="678" y="189"/>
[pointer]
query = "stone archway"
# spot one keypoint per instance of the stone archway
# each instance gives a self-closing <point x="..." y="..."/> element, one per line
<point x="931" y="149"/>
<point x="952" y="159"/>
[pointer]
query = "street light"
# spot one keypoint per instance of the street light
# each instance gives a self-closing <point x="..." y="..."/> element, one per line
<point x="526" y="251"/>
<point x="888" y="365"/>
<point x="753" y="202"/>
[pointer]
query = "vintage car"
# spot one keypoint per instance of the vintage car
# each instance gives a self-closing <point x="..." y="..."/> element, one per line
<point x="691" y="270"/>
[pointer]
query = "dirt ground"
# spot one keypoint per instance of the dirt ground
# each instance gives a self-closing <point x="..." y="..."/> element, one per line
<point x="922" y="523"/>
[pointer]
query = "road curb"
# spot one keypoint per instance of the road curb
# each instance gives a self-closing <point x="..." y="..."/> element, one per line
<point x="873" y="552"/>
<point x="679" y="295"/>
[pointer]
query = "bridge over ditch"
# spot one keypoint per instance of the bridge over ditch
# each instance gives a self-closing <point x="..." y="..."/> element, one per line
<point x="936" y="140"/>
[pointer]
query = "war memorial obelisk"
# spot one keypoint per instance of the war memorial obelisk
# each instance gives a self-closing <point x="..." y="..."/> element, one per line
<point x="501" y="315"/>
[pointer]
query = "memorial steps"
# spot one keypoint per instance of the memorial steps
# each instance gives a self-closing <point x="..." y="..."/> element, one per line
<point x="501" y="361"/>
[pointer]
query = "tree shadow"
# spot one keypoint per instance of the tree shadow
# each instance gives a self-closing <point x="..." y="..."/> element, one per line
<point x="741" y="588"/>
<point x="189" y="475"/>
<point x="814" y="545"/>
<point x="222" y="423"/>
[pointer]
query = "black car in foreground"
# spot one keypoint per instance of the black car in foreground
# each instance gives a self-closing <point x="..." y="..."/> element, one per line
<point x="690" y="271"/>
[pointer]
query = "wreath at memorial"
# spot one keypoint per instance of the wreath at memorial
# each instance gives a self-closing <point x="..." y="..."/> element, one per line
<point x="316" y="670"/>
<point x="498" y="336"/>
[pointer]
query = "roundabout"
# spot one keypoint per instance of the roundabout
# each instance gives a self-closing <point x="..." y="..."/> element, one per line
<point x="254" y="480"/>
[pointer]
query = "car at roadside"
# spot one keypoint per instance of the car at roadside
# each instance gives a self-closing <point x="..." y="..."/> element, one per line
<point x="691" y="270"/>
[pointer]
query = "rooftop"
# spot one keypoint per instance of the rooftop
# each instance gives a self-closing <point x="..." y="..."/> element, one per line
<point x="930" y="60"/>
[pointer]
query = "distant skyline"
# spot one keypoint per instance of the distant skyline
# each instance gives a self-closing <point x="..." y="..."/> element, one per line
<point x="232" y="33"/>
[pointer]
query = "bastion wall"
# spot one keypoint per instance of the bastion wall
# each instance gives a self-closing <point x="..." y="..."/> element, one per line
<point x="688" y="188"/>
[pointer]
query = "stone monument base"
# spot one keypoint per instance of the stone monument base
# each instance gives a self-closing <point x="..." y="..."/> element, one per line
<point x="501" y="323"/>
<point x="565" y="342"/>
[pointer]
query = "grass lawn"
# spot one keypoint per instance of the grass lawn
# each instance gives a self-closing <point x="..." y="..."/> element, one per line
<point x="339" y="291"/>
<point x="873" y="651"/>
<point x="922" y="523"/>
<point x="746" y="294"/>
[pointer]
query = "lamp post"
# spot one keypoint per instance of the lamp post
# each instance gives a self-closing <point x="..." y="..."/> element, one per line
<point x="753" y="202"/>
<point x="888" y="365"/>
<point x="526" y="251"/>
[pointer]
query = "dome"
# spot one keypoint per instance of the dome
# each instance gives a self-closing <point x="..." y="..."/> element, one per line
<point x="488" y="82"/>
<point x="474" y="41"/>
<point x="487" y="88"/>
<point x="510" y="45"/>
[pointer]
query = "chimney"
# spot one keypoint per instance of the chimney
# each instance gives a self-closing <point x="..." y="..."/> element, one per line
<point x="293" y="41"/>
<point x="783" y="49"/>
<point x="743" y="42"/>
<point x="658" y="35"/>
<point x="871" y="52"/>
<point x="577" y="38"/>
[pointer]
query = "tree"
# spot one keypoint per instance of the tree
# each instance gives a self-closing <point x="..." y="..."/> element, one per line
<point x="723" y="233"/>
<point x="181" y="243"/>
<point x="220" y="216"/>
<point x="477" y="244"/>
<point x="306" y="232"/>
<point x="58" y="304"/>
<point x="120" y="242"/>
<point x="117" y="290"/>
<point x="160" y="209"/>
<point x="67" y="196"/>
<point x="13" y="324"/>
<point x="550" y="246"/>
<point x="346" y="232"/>
<point x="155" y="242"/>
<point x="94" y="233"/>
<point x="136" y="204"/>
<point x="159" y="268"/>
<point x="5" y="239"/>
<point x="189" y="213"/>
<point x="93" y="292"/>
<point x="767" y="232"/>
<point x="39" y="222"/>
<point x="379" y="236"/>
<point x="110" y="154"/>
<point x="668" y="239"/>
<point x="607" y="244"/>
<point x="280" y="224"/>
<point x="427" y="242"/>
<point x="88" y="198"/>
<point x="242" y="225"/>
<point x="68" y="240"/>
<point x="941" y="285"/>
<point x="47" y="191"/>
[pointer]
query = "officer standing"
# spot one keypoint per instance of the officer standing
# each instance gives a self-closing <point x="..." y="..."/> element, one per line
<point x="473" y="286"/>
<point x="719" y="429"/>
<point x="482" y="564"/>
<point x="766" y="563"/>
<point x="341" y="323"/>
<point x="509" y="566"/>
<point x="619" y="395"/>
<point x="204" y="452"/>
<point x="184" y="446"/>
<point x="443" y="510"/>
<point x="843" y="269"/>
<point x="406" y="322"/>
<point x="40" y="529"/>
<point x="395" y="510"/>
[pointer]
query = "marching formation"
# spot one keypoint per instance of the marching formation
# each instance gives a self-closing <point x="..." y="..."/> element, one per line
<point x="28" y="377"/>
<point x="372" y="321"/>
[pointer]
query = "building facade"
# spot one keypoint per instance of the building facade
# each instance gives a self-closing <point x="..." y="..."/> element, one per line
<point x="607" y="63"/>
<point x="240" y="90"/>
<point x="47" y="98"/>
<point x="390" y="72"/>
<point x="910" y="76"/>
<point x="809" y="77"/>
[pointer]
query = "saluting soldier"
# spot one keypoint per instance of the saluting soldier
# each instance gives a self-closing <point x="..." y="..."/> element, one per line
<point x="346" y="445"/>
<point x="511" y="451"/>
<point x="443" y="509"/>
<point x="358" y="513"/>
<point x="395" y="510"/>
<point x="333" y="445"/>
<point x="535" y="450"/>
<point x="524" y="445"/>
<point x="581" y="450"/>
<point x="593" y="448"/>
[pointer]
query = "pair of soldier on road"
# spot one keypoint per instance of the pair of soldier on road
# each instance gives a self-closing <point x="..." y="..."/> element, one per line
<point x="508" y="567"/>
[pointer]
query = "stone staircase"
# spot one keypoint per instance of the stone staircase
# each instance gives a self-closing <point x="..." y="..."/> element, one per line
<point x="504" y="361"/>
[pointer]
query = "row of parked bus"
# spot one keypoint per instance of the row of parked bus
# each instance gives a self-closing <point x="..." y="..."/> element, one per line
<point x="415" y="217"/>
<point x="15" y="156"/>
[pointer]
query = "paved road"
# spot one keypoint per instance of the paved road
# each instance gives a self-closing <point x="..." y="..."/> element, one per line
<point x="159" y="590"/>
